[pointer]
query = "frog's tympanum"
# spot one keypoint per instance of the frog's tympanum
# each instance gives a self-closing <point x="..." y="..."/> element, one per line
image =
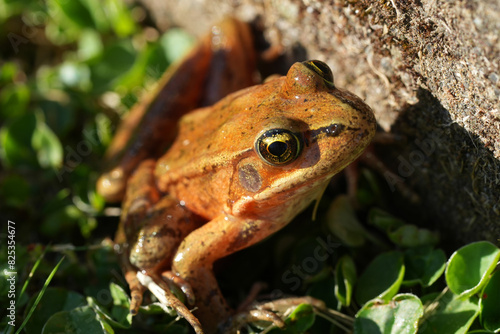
<point x="234" y="172"/>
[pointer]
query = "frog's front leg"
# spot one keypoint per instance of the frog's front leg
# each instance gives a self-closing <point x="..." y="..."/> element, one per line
<point x="151" y="228"/>
<point x="194" y="260"/>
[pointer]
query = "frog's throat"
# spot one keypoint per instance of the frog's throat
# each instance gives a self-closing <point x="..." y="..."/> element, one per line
<point x="318" y="198"/>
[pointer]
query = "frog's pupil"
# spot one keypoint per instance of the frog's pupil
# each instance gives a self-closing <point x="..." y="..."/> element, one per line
<point x="277" y="148"/>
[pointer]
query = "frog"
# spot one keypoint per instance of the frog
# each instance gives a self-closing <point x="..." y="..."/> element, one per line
<point x="234" y="173"/>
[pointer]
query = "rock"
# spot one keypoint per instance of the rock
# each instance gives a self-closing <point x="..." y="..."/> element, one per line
<point x="429" y="69"/>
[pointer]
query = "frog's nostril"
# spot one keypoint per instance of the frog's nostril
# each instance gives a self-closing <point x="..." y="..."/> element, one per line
<point x="333" y="129"/>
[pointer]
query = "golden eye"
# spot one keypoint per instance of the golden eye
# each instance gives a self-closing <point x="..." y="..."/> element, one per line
<point x="322" y="70"/>
<point x="278" y="146"/>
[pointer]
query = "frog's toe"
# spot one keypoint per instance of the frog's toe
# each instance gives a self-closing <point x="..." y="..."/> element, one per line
<point x="111" y="185"/>
<point x="139" y="282"/>
<point x="160" y="289"/>
<point x="243" y="318"/>
<point x="273" y="312"/>
<point x="136" y="291"/>
<point x="283" y="305"/>
<point x="172" y="278"/>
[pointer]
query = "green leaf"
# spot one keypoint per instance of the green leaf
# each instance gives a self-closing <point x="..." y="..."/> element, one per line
<point x="342" y="222"/>
<point x="15" y="139"/>
<point x="299" y="321"/>
<point x="176" y="43"/>
<point x="54" y="300"/>
<point x="89" y="45"/>
<point x="424" y="266"/>
<point x="48" y="81"/>
<point x="120" y="313"/>
<point x="10" y="8"/>
<point x="369" y="191"/>
<point x="98" y="14"/>
<point x="59" y="116"/>
<point x="75" y="75"/>
<point x="489" y="303"/>
<point x="325" y="291"/>
<point x="412" y="236"/>
<point x="121" y="304"/>
<point x="382" y="278"/>
<point x="345" y="279"/>
<point x="79" y="320"/>
<point x="448" y="314"/>
<point x="469" y="267"/>
<point x="301" y="318"/>
<point x="104" y="129"/>
<point x="304" y="256"/>
<point x="398" y="316"/>
<point x="48" y="147"/>
<point x="72" y="13"/>
<point x="383" y="220"/>
<point x="119" y="15"/>
<point x="8" y="71"/>
<point x="120" y="297"/>
<point x="61" y="221"/>
<point x="14" y="100"/>
<point x="148" y="62"/>
<point x="15" y="191"/>
<point x="115" y="62"/>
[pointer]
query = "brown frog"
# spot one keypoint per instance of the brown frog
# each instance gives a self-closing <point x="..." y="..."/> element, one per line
<point x="236" y="172"/>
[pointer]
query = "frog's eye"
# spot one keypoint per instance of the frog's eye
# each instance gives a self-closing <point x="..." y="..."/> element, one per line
<point x="322" y="70"/>
<point x="278" y="146"/>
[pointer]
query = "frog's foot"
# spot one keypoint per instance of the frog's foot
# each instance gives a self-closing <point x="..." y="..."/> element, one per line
<point x="252" y="295"/>
<point x="273" y="312"/>
<point x="139" y="283"/>
<point x="172" y="278"/>
<point x="161" y="290"/>
<point x="241" y="319"/>
<point x="285" y="305"/>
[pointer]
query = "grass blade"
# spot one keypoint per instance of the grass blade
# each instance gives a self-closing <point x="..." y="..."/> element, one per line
<point x="40" y="295"/>
<point x="32" y="272"/>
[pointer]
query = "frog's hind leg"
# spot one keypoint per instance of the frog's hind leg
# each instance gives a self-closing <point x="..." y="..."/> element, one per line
<point x="221" y="63"/>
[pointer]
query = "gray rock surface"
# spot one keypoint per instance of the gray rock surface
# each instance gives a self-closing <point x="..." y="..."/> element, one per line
<point x="429" y="69"/>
